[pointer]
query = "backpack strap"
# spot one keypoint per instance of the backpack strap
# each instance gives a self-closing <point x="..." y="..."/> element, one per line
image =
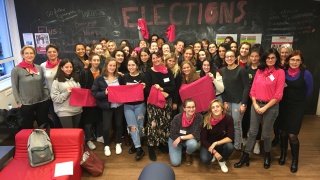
<point x="47" y="126"/>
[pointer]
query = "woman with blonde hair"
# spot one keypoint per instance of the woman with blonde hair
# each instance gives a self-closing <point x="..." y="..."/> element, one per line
<point x="217" y="135"/>
<point x="111" y="46"/>
<point x="171" y="62"/>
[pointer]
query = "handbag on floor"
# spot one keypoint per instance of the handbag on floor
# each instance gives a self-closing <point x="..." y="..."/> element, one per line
<point x="91" y="162"/>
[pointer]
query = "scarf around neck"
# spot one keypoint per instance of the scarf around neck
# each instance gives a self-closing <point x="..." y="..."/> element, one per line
<point x="293" y="72"/>
<point x="51" y="65"/>
<point x="161" y="68"/>
<point x="185" y="121"/>
<point x="31" y="67"/>
<point x="213" y="121"/>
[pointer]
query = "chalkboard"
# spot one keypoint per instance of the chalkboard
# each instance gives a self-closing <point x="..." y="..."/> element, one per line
<point x="73" y="21"/>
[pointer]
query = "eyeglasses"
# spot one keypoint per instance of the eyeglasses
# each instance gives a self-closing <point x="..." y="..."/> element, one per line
<point x="295" y="60"/>
<point x="228" y="57"/>
<point x="271" y="58"/>
<point x="190" y="107"/>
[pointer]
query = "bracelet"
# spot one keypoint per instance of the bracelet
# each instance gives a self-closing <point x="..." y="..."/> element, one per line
<point x="181" y="138"/>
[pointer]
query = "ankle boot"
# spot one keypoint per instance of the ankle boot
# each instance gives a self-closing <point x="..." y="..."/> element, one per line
<point x="295" y="157"/>
<point x="163" y="148"/>
<point x="267" y="160"/>
<point x="244" y="160"/>
<point x="133" y="149"/>
<point x="284" y="148"/>
<point x="152" y="154"/>
<point x="140" y="153"/>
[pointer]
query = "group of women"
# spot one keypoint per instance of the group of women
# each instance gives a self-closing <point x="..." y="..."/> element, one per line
<point x="250" y="86"/>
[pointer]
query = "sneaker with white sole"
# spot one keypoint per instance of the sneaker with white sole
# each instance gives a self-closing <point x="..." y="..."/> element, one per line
<point x="256" y="148"/>
<point x="223" y="167"/>
<point x="100" y="139"/>
<point x="107" y="151"/>
<point x="91" y="145"/>
<point x="118" y="148"/>
<point x="213" y="159"/>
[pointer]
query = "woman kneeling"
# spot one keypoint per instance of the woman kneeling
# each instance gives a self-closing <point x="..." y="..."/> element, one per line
<point x="217" y="135"/>
<point x="184" y="132"/>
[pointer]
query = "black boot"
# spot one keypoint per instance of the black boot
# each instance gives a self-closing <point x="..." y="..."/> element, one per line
<point x="267" y="160"/>
<point x="284" y="149"/>
<point x="244" y="160"/>
<point x="133" y="149"/>
<point x="152" y="154"/>
<point x="140" y="153"/>
<point x="275" y="140"/>
<point x="295" y="157"/>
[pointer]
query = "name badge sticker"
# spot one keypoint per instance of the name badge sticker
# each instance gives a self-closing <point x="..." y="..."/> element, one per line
<point x="183" y="132"/>
<point x="271" y="77"/>
<point x="166" y="80"/>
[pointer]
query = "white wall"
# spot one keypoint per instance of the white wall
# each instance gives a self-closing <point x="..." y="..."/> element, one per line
<point x="5" y="100"/>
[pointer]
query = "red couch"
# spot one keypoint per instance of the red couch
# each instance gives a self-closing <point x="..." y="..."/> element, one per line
<point x="67" y="146"/>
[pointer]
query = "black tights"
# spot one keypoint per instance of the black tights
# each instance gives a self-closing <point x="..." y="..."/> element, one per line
<point x="293" y="138"/>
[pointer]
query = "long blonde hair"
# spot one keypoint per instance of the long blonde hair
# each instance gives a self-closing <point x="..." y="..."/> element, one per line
<point x="107" y="53"/>
<point x="175" y="68"/>
<point x="209" y="115"/>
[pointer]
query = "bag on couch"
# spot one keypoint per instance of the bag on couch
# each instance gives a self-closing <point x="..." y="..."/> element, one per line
<point x="91" y="162"/>
<point x="39" y="147"/>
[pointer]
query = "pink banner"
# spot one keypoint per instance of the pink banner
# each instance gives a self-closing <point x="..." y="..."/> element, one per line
<point x="125" y="93"/>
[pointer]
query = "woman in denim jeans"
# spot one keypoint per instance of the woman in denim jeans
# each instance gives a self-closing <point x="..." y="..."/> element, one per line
<point x="185" y="131"/>
<point x="135" y="111"/>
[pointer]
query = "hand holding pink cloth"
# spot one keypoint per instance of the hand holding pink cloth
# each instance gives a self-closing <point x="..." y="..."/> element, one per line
<point x="156" y="98"/>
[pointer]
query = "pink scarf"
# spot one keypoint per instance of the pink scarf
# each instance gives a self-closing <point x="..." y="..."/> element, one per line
<point x="213" y="121"/>
<point x="185" y="121"/>
<point x="31" y="67"/>
<point x="161" y="68"/>
<point x="267" y="72"/>
<point x="51" y="65"/>
<point x="293" y="72"/>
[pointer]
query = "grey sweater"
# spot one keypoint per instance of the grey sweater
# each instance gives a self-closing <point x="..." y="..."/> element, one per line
<point x="61" y="97"/>
<point x="48" y="74"/>
<point x="28" y="88"/>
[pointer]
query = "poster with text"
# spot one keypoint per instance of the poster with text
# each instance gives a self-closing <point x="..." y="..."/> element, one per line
<point x="220" y="37"/>
<point x="28" y="39"/>
<point x="42" y="40"/>
<point x="277" y="41"/>
<point x="251" y="38"/>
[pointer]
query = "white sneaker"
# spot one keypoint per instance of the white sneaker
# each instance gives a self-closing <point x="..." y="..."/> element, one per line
<point x="100" y="139"/>
<point x="118" y="148"/>
<point x="107" y="151"/>
<point x="256" y="148"/>
<point x="213" y="159"/>
<point x="223" y="167"/>
<point x="91" y="145"/>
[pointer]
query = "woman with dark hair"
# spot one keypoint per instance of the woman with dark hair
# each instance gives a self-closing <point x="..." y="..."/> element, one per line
<point x="143" y="43"/>
<point x="29" y="89"/>
<point x="234" y="47"/>
<point x="188" y="73"/>
<point x="166" y="49"/>
<point x="217" y="135"/>
<point x="299" y="86"/>
<point x="158" y="123"/>
<point x="125" y="43"/>
<point x="66" y="79"/>
<point x="235" y="96"/>
<point x="220" y="61"/>
<point x="144" y="60"/>
<point x="88" y="50"/>
<point x="81" y="60"/>
<point x="205" y="43"/>
<point x="202" y="55"/>
<point x="213" y="50"/>
<point x="135" y="111"/>
<point x="266" y="92"/>
<point x="49" y="69"/>
<point x="127" y="50"/>
<point x="120" y="57"/>
<point x="196" y="48"/>
<point x="97" y="48"/>
<point x="215" y="76"/>
<point x="185" y="131"/>
<point x="109" y="77"/>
